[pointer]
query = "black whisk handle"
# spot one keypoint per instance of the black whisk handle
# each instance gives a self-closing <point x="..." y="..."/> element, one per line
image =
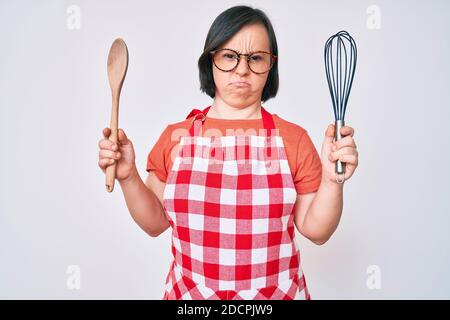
<point x="340" y="167"/>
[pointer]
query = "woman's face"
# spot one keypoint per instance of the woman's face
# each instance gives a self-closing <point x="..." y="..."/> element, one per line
<point x="249" y="39"/>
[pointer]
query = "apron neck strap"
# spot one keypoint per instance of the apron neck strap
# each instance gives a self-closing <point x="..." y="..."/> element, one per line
<point x="199" y="116"/>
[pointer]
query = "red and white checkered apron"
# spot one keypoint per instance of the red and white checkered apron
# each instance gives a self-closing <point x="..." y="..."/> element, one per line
<point x="229" y="201"/>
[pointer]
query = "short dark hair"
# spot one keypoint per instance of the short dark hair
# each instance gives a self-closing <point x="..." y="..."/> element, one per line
<point x="224" y="27"/>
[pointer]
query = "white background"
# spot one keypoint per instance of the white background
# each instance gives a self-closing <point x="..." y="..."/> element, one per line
<point x="55" y="100"/>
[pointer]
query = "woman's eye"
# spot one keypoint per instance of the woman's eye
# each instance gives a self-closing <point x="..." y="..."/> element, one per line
<point x="256" y="58"/>
<point x="229" y="56"/>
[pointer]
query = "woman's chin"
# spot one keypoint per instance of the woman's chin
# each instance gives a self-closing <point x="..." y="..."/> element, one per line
<point x="239" y="96"/>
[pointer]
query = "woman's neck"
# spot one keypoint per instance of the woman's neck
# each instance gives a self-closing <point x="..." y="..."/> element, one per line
<point x="221" y="110"/>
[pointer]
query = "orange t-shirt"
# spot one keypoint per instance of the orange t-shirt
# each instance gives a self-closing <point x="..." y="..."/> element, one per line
<point x="303" y="159"/>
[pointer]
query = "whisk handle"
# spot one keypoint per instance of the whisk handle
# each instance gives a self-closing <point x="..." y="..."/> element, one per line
<point x="340" y="167"/>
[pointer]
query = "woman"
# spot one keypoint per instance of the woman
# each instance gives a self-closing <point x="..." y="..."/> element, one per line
<point x="232" y="180"/>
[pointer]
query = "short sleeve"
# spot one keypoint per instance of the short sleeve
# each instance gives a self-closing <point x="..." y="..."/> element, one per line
<point x="308" y="171"/>
<point x="157" y="157"/>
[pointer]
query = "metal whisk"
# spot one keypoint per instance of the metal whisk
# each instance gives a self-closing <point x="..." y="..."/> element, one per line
<point x="340" y="56"/>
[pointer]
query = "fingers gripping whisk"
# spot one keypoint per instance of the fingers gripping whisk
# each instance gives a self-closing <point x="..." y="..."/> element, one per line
<point x="340" y="55"/>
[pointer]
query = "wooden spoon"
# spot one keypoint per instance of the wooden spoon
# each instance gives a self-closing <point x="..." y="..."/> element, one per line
<point x="117" y="69"/>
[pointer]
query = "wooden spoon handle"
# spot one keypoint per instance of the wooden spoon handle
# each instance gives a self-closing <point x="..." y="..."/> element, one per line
<point x="111" y="170"/>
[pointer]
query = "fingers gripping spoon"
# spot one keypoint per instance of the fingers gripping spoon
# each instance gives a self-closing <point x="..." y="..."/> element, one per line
<point x="117" y="69"/>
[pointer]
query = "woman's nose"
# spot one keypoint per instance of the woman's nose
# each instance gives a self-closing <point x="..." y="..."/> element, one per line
<point x="242" y="67"/>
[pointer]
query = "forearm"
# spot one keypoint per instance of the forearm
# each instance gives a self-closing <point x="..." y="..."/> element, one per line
<point x="324" y="213"/>
<point x="143" y="205"/>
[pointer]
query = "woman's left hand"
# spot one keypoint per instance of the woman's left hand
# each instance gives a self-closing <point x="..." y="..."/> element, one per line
<point x="343" y="150"/>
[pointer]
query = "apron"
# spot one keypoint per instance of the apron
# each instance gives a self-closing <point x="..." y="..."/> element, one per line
<point x="230" y="201"/>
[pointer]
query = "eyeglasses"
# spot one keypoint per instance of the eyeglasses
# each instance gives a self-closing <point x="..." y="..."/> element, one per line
<point x="228" y="59"/>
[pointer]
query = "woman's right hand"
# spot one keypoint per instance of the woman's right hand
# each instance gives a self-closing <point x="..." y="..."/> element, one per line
<point x="122" y="154"/>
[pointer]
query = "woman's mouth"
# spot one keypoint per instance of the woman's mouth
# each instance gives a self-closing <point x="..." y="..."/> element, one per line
<point x="240" y="84"/>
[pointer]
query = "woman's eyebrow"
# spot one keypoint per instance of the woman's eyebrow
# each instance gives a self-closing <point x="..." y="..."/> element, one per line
<point x="248" y="51"/>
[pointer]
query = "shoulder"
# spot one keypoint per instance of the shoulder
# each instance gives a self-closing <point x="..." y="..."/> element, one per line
<point x="177" y="129"/>
<point x="185" y="124"/>
<point x="288" y="130"/>
<point x="296" y="139"/>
